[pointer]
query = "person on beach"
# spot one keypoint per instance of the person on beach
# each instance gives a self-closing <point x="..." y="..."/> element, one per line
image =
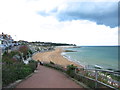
<point x="40" y="63"/>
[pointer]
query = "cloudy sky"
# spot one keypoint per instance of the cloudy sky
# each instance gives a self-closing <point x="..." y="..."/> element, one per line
<point x="81" y="22"/>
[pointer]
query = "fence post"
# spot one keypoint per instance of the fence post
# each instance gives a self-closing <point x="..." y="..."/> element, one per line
<point x="96" y="77"/>
<point x="75" y="71"/>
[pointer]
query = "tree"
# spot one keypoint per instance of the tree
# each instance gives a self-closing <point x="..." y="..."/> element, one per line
<point x="24" y="49"/>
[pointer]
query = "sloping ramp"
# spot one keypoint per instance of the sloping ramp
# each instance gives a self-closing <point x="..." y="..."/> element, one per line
<point x="48" y="78"/>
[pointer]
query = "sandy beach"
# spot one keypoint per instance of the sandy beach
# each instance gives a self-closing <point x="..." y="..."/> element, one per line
<point x="54" y="56"/>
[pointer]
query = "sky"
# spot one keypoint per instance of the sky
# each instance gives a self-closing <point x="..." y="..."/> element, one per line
<point x="80" y="22"/>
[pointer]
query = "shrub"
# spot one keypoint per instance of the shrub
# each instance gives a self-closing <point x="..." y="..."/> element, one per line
<point x="11" y="54"/>
<point x="16" y="71"/>
<point x="33" y="64"/>
<point x="57" y="67"/>
<point x="8" y="74"/>
<point x="13" y="69"/>
<point x="23" y="72"/>
<point x="24" y="49"/>
<point x="8" y="58"/>
<point x="30" y="51"/>
<point x="71" y="70"/>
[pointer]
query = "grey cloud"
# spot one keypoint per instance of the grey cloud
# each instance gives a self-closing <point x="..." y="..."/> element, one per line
<point x="100" y="12"/>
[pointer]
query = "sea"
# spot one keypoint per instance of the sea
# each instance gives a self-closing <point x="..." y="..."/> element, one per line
<point x="105" y="57"/>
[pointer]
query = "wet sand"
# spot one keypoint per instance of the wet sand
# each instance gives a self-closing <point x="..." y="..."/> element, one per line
<point x="54" y="56"/>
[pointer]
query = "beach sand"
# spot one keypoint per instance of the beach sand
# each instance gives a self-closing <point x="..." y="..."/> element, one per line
<point x="54" y="56"/>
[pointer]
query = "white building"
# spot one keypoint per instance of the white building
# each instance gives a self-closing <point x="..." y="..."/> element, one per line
<point x="5" y="40"/>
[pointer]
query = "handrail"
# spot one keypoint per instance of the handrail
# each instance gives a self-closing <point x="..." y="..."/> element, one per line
<point x="109" y="71"/>
<point x="95" y="79"/>
<point x="104" y="71"/>
<point x="96" y="76"/>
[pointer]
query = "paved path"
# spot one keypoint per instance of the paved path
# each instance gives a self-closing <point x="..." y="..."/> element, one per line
<point x="48" y="78"/>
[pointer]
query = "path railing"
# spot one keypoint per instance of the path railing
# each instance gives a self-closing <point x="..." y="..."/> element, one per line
<point x="93" y="78"/>
<point x="97" y="78"/>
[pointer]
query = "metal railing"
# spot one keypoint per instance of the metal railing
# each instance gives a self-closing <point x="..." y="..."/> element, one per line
<point x="93" y="78"/>
<point x="100" y="78"/>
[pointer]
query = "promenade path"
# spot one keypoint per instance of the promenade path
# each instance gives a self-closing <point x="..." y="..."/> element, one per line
<point x="46" y="77"/>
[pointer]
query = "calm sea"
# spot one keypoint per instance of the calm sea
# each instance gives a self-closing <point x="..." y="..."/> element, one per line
<point x="105" y="57"/>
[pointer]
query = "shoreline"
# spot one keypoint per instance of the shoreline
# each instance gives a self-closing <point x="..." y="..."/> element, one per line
<point x="56" y="57"/>
<point x="69" y="59"/>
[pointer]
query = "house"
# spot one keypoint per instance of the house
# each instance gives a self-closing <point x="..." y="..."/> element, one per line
<point x="5" y="41"/>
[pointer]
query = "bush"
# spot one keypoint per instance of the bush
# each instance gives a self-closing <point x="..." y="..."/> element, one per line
<point x="24" y="49"/>
<point x="57" y="67"/>
<point x="30" y="51"/>
<point x="16" y="71"/>
<point x="8" y="74"/>
<point x="13" y="69"/>
<point x="71" y="69"/>
<point x="33" y="64"/>
<point x="9" y="58"/>
<point x="23" y="71"/>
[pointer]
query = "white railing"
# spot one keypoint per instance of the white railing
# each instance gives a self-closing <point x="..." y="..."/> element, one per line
<point x="103" y="77"/>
